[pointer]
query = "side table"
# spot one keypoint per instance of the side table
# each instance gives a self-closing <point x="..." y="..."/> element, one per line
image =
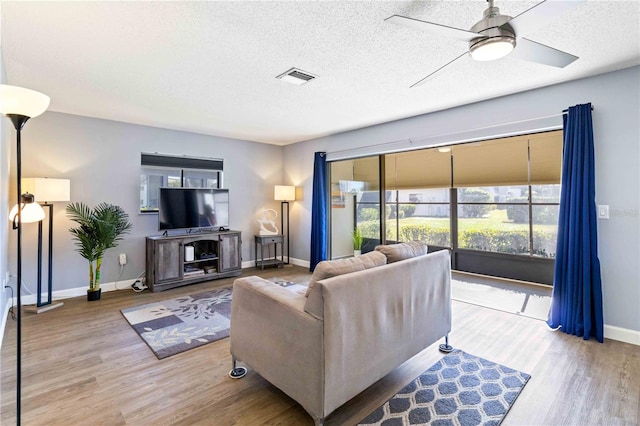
<point x="267" y="242"/>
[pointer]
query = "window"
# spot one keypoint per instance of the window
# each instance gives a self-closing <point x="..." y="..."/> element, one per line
<point x="199" y="179"/>
<point x="494" y="203"/>
<point x="508" y="194"/>
<point x="419" y="206"/>
<point x="160" y="171"/>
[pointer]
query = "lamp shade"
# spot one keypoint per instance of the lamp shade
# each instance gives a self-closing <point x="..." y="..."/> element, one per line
<point x="47" y="189"/>
<point x="31" y="211"/>
<point x="20" y="101"/>
<point x="284" y="193"/>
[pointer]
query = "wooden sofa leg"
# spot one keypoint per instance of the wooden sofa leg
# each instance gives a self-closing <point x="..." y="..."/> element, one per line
<point x="236" y="372"/>
<point x="445" y="347"/>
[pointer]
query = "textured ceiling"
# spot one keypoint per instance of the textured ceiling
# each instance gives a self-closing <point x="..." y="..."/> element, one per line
<point x="210" y="67"/>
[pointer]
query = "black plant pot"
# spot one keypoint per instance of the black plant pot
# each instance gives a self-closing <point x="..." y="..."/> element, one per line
<point x="93" y="295"/>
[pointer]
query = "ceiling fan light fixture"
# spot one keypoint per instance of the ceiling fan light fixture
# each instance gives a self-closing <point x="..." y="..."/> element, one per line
<point x="490" y="49"/>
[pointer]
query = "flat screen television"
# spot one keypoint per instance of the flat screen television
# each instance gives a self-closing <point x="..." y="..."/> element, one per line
<point x="192" y="208"/>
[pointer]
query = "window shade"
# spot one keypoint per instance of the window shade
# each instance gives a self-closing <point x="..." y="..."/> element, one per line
<point x="426" y="168"/>
<point x="367" y="170"/>
<point x="491" y="163"/>
<point x="545" y="150"/>
<point x="181" y="162"/>
<point x="498" y="162"/>
<point x="341" y="171"/>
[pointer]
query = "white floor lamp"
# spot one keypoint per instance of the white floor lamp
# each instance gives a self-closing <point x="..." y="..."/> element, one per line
<point x="20" y="104"/>
<point x="47" y="191"/>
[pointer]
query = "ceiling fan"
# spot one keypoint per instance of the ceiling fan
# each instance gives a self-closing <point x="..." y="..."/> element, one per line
<point x="496" y="35"/>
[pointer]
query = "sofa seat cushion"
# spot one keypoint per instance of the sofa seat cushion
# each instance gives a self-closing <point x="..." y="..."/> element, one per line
<point x="402" y="251"/>
<point x="333" y="268"/>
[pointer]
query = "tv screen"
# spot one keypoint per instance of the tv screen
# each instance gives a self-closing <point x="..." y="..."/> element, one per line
<point x="188" y="208"/>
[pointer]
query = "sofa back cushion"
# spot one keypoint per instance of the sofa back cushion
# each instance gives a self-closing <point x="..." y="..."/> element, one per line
<point x="402" y="251"/>
<point x="333" y="268"/>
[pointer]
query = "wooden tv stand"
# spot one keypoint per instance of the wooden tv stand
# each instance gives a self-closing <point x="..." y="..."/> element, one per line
<point x="215" y="255"/>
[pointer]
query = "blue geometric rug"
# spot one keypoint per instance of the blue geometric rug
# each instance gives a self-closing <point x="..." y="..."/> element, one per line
<point x="186" y="322"/>
<point x="460" y="389"/>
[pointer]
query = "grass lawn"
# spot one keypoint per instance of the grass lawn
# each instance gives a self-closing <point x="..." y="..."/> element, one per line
<point x="497" y="219"/>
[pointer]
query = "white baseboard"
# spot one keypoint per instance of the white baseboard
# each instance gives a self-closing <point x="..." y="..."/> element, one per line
<point x="248" y="264"/>
<point x="5" y="315"/>
<point x="299" y="262"/>
<point x="622" y="334"/>
<point x="31" y="299"/>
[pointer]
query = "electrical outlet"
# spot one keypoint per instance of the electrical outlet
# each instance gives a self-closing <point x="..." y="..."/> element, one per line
<point x="123" y="259"/>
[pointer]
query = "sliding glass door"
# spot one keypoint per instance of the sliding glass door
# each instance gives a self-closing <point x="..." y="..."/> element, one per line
<point x="493" y="203"/>
<point x="355" y="204"/>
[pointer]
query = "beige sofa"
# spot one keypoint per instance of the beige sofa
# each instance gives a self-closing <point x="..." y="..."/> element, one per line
<point x="351" y="330"/>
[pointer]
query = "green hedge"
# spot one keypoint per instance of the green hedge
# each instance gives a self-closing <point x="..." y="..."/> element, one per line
<point x="367" y="214"/>
<point x="541" y="214"/>
<point x="500" y="241"/>
<point x="518" y="214"/>
<point x="433" y="236"/>
<point x="474" y="195"/>
<point x="493" y="240"/>
<point x="407" y="209"/>
<point x="370" y="229"/>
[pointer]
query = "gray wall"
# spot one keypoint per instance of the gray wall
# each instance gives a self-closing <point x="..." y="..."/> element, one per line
<point x="5" y="153"/>
<point x="617" y="144"/>
<point x="102" y="160"/>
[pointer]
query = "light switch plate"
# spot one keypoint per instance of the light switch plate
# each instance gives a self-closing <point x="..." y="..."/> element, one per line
<point x="603" y="211"/>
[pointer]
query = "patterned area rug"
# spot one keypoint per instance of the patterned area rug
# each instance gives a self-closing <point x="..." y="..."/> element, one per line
<point x="460" y="389"/>
<point x="186" y="322"/>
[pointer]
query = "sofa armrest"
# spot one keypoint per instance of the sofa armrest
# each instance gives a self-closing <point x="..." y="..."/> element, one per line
<point x="272" y="334"/>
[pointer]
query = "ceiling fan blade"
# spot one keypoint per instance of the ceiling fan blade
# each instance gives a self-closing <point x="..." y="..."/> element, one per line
<point x="536" y="52"/>
<point x="443" y="30"/>
<point x="435" y="73"/>
<point x="540" y="14"/>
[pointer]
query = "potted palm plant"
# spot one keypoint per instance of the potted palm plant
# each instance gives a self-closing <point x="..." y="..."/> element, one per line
<point x="99" y="229"/>
<point x="357" y="242"/>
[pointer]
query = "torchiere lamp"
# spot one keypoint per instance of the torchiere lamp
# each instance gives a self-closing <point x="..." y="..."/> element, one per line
<point x="284" y="194"/>
<point x="47" y="191"/>
<point x="31" y="211"/>
<point x="20" y="104"/>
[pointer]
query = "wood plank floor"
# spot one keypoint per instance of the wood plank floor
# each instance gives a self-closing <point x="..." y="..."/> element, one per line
<point x="84" y="365"/>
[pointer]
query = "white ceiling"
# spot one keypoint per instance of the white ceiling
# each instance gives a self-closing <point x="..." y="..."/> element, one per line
<point x="210" y="67"/>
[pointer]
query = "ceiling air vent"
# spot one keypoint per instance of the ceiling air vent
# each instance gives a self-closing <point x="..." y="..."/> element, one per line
<point x="296" y="76"/>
